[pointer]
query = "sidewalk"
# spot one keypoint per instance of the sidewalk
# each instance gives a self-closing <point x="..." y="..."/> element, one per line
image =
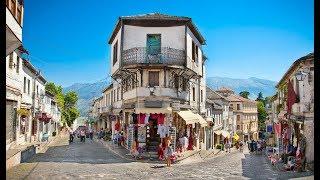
<point x="151" y="157"/>
<point x="21" y="153"/>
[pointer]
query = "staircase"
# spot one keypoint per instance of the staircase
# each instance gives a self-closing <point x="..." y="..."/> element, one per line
<point x="152" y="147"/>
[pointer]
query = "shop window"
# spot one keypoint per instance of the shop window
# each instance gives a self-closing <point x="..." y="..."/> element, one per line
<point x="201" y="94"/>
<point x="115" y="52"/>
<point x="153" y="78"/>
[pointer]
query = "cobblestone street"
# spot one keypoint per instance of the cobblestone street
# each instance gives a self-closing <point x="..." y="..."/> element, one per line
<point x="94" y="161"/>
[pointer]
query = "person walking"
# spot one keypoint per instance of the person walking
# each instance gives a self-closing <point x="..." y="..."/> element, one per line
<point x="168" y="153"/>
<point x="71" y="135"/>
<point x="82" y="135"/>
<point x="241" y="146"/>
<point x="91" y="133"/>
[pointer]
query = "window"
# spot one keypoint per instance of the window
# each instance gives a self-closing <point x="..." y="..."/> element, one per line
<point x="238" y="117"/>
<point x="115" y="52"/>
<point x="11" y="60"/>
<point x="37" y="91"/>
<point x="114" y="95"/>
<point x="18" y="64"/>
<point x="194" y="93"/>
<point x="238" y="106"/>
<point x="238" y="127"/>
<point x="119" y="92"/>
<point x="19" y="16"/>
<point x="184" y="84"/>
<point x="153" y="78"/>
<point x="201" y="93"/>
<point x="297" y="88"/>
<point x="153" y="44"/>
<point x="176" y="81"/>
<point x="28" y="86"/>
<point x="24" y="85"/>
<point x="13" y="7"/>
<point x="193" y="51"/>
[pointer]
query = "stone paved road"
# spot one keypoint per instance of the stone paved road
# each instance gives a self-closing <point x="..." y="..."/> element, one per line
<point x="92" y="160"/>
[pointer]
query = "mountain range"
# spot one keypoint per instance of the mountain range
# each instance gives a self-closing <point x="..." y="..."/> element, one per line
<point x="88" y="91"/>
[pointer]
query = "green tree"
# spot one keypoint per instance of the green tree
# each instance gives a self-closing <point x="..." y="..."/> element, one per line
<point x="262" y="115"/>
<point x="260" y="97"/>
<point x="66" y="102"/>
<point x="244" y="94"/>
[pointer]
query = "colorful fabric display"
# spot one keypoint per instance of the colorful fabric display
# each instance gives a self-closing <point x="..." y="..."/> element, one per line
<point x="161" y="118"/>
<point x="141" y="118"/>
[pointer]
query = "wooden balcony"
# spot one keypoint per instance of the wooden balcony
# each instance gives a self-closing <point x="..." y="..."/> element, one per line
<point x="167" y="56"/>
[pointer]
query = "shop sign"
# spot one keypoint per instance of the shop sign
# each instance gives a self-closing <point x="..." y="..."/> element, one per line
<point x="129" y="106"/>
<point x="153" y="104"/>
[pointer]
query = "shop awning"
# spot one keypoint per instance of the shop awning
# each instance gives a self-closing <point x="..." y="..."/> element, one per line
<point x="167" y="110"/>
<point x="189" y="117"/>
<point x="209" y="119"/>
<point x="225" y="134"/>
<point x="202" y="122"/>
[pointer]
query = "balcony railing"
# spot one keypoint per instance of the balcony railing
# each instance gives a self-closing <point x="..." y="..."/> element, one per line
<point x="139" y="55"/>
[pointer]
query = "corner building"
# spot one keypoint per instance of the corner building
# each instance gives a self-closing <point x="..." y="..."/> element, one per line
<point x="159" y="88"/>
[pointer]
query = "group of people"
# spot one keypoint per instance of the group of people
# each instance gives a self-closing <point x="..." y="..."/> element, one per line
<point x="81" y="133"/>
<point x="256" y="146"/>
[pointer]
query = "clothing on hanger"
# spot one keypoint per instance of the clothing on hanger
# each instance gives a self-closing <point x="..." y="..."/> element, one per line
<point x="141" y="118"/>
<point x="161" y="118"/>
<point x="146" y="120"/>
<point x="134" y="118"/>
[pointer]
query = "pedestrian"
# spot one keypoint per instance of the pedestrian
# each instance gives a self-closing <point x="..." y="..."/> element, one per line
<point x="82" y="135"/>
<point x="70" y="135"/>
<point x="168" y="153"/>
<point x="241" y="146"/>
<point x="91" y="133"/>
<point x="227" y="145"/>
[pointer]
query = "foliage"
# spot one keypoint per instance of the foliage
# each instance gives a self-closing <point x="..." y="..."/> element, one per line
<point x="219" y="146"/>
<point x="260" y="97"/>
<point x="262" y="115"/>
<point x="244" y="94"/>
<point x="66" y="102"/>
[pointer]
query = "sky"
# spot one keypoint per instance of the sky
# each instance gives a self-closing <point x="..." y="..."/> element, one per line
<point x="67" y="40"/>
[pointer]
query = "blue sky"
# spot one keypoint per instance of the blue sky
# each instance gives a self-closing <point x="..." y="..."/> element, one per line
<point x="67" y="40"/>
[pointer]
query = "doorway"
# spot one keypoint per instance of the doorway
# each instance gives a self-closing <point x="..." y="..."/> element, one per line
<point x="153" y="139"/>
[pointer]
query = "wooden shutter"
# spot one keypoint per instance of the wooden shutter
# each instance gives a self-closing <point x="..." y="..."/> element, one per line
<point x="153" y="78"/>
<point x="115" y="53"/>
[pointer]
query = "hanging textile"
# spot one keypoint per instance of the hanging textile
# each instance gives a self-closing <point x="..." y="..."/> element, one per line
<point x="291" y="98"/>
<point x="161" y="118"/>
<point x="134" y="118"/>
<point x="141" y="118"/>
<point x="117" y="126"/>
<point x="146" y="119"/>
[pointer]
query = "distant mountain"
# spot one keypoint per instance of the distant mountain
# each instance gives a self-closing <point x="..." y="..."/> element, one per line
<point x="88" y="91"/>
<point x="252" y="85"/>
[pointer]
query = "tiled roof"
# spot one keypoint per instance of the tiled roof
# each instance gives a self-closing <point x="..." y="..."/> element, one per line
<point x="161" y="19"/>
<point x="225" y="89"/>
<point x="155" y="16"/>
<point x="296" y="63"/>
